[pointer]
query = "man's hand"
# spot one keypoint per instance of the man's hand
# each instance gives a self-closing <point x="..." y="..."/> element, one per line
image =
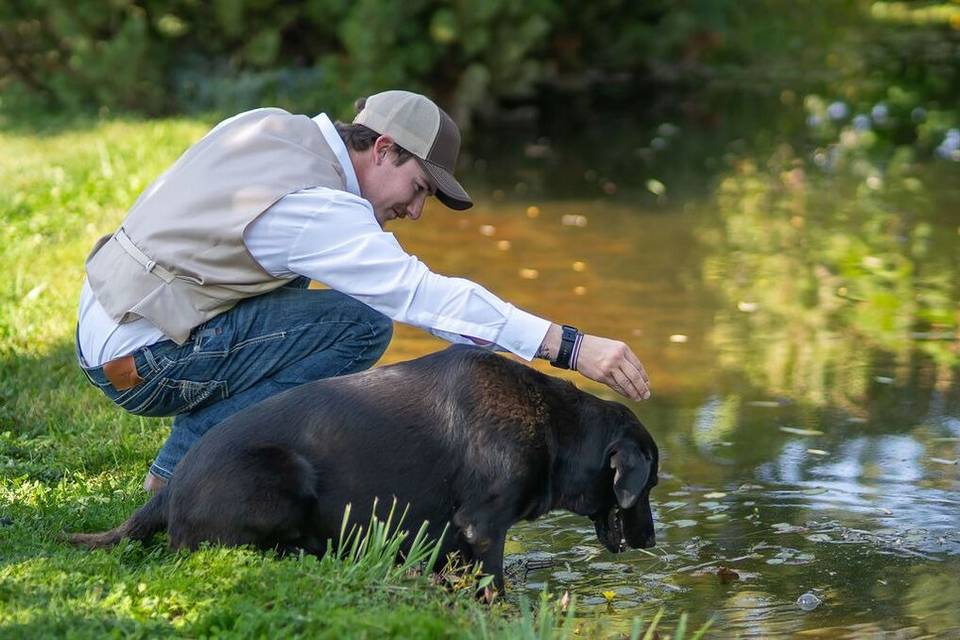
<point x="608" y="361"/>
<point x="614" y="364"/>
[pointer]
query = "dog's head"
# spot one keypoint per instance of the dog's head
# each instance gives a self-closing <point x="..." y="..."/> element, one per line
<point x="618" y="498"/>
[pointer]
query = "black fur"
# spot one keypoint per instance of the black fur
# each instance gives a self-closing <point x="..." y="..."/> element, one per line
<point x="463" y="436"/>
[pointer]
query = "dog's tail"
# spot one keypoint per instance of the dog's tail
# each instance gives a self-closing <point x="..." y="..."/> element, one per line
<point x="147" y="521"/>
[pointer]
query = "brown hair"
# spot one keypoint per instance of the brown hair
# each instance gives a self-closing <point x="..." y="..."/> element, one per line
<point x="360" y="137"/>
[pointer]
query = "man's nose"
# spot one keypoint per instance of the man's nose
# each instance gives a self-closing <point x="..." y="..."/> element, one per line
<point x="416" y="208"/>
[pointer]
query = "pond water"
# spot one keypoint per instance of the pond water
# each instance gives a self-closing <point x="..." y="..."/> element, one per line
<point x="798" y="319"/>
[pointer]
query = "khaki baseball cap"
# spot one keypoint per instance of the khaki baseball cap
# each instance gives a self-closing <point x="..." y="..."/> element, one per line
<point x="425" y="130"/>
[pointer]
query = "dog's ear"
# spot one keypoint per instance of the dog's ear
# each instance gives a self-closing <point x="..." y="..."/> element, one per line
<point x="632" y="472"/>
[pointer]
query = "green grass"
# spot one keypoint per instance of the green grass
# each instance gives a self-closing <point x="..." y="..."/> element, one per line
<point x="71" y="461"/>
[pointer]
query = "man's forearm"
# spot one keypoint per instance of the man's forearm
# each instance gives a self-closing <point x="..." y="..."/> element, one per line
<point x="551" y="343"/>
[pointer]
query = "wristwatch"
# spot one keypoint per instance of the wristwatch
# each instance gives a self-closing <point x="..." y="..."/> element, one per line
<point x="567" y="342"/>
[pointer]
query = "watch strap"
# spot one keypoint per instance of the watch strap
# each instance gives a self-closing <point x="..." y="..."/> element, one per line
<point x="567" y="342"/>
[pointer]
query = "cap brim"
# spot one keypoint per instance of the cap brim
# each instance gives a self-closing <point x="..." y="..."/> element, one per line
<point x="449" y="191"/>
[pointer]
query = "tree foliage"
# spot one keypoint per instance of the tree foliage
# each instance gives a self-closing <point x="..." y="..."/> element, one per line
<point x="162" y="56"/>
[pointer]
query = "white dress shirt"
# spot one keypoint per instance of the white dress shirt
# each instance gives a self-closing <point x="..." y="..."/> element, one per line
<point x="333" y="237"/>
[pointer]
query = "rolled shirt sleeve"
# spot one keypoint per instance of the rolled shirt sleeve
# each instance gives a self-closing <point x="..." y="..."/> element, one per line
<point x="333" y="237"/>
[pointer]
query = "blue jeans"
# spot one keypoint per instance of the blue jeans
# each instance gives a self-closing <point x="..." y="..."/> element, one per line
<point x="260" y="347"/>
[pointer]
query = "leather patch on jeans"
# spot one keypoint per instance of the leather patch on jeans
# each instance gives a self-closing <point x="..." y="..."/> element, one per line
<point x="122" y="373"/>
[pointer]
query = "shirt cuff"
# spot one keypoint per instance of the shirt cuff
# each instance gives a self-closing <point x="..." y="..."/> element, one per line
<point x="523" y="333"/>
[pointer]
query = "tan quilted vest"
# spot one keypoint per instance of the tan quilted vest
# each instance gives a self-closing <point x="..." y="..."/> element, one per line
<point x="179" y="257"/>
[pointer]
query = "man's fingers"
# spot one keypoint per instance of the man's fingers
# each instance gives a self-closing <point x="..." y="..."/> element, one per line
<point x="627" y="387"/>
<point x="632" y="359"/>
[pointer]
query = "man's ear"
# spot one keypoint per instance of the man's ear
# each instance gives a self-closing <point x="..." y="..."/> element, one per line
<point x="380" y="147"/>
<point x="632" y="472"/>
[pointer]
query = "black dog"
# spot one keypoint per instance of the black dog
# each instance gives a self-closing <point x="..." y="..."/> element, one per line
<point x="463" y="436"/>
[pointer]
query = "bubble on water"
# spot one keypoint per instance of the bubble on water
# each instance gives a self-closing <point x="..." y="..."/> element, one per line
<point x="808" y="601"/>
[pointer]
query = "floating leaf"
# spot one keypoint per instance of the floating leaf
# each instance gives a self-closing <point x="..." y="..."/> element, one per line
<point x="715" y="494"/>
<point x="819" y="537"/>
<point x="683" y="524"/>
<point x="801" y="432"/>
<point x="817" y="452"/>
<point x="944" y="461"/>
<point x="656" y="187"/>
<point x="786" y="527"/>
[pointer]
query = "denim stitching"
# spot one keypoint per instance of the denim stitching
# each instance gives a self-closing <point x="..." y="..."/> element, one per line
<point x="162" y="471"/>
<point x="372" y="335"/>
<point x="264" y="338"/>
<point x="142" y="405"/>
<point x="212" y="385"/>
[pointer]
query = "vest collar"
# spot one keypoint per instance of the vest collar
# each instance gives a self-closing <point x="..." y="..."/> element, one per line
<point x="333" y="139"/>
